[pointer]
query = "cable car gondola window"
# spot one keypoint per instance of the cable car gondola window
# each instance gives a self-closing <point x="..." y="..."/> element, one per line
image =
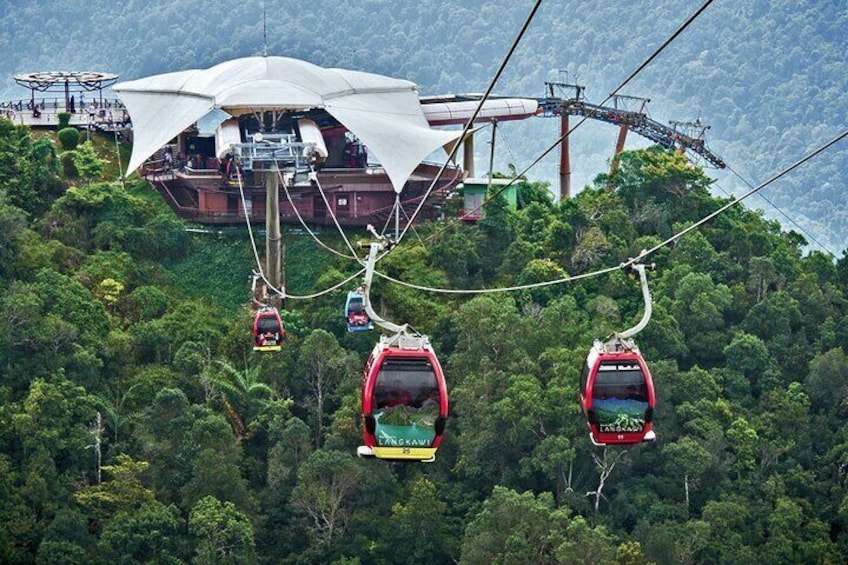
<point x="620" y="397"/>
<point x="407" y="403"/>
<point x="267" y="325"/>
<point x="407" y="382"/>
<point x="584" y="376"/>
<point x="355" y="306"/>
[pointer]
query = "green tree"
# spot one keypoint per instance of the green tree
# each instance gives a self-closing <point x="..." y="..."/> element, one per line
<point x="586" y="544"/>
<point x="688" y="461"/>
<point x="67" y="539"/>
<point x="165" y="441"/>
<point x="292" y="446"/>
<point x="530" y="192"/>
<point x="776" y="315"/>
<point x="490" y="336"/>
<point x="784" y="416"/>
<point x="497" y="228"/>
<point x="325" y="365"/>
<point x="153" y="534"/>
<point x="215" y="457"/>
<point x="592" y="247"/>
<point x="55" y="417"/>
<point x="123" y="492"/>
<point x="96" y="215"/>
<point x="64" y="118"/>
<point x="242" y="394"/>
<point x="827" y="381"/>
<point x="742" y="440"/>
<point x="146" y="303"/>
<point x="537" y="271"/>
<point x="162" y="237"/>
<point x="699" y="307"/>
<point x="554" y="456"/>
<point x="749" y="356"/>
<point x="86" y="162"/>
<point x="60" y="553"/>
<point x="223" y="534"/>
<point x="459" y="257"/>
<point x="665" y="178"/>
<point x="672" y="542"/>
<point x="763" y="277"/>
<point x="515" y="528"/>
<point x="630" y="553"/>
<point x="793" y="538"/>
<point x="28" y="169"/>
<point x="733" y="530"/>
<point x="326" y="483"/>
<point x="420" y="526"/>
<point x="12" y="224"/>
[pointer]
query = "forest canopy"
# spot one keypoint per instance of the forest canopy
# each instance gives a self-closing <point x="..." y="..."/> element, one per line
<point x="138" y="426"/>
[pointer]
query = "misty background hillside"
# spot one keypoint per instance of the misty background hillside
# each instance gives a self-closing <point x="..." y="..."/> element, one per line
<point x="769" y="77"/>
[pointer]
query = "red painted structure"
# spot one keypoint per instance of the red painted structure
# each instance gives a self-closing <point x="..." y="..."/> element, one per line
<point x="358" y="193"/>
<point x="200" y="188"/>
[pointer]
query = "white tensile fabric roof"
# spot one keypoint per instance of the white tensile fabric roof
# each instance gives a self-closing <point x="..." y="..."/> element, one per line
<point x="383" y="112"/>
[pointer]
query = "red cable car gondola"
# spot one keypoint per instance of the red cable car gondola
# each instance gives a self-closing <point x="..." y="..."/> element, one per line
<point x="268" y="330"/>
<point x="404" y="400"/>
<point x="617" y="394"/>
<point x="616" y="390"/>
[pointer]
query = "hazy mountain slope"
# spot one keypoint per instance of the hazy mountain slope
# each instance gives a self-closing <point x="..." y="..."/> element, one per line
<point x="768" y="76"/>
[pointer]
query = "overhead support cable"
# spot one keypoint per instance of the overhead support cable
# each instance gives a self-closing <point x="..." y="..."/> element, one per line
<point x="784" y="214"/>
<point x="306" y="227"/>
<point x="474" y="115"/>
<point x="635" y="260"/>
<point x="751" y="192"/>
<point x="589" y="115"/>
<point x="260" y="272"/>
<point x="345" y="282"/>
<point x="499" y="289"/>
<point x="313" y="176"/>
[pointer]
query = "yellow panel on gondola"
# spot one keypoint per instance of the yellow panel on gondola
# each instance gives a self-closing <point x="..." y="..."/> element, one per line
<point x="267" y="347"/>
<point x="405" y="453"/>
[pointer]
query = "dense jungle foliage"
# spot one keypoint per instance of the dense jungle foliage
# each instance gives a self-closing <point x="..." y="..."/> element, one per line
<point x="138" y="426"/>
<point x="768" y="76"/>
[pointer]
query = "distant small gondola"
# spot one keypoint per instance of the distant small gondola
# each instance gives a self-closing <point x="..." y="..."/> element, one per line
<point x="617" y="394"/>
<point x="268" y="330"/>
<point x="356" y="317"/>
<point x="404" y="401"/>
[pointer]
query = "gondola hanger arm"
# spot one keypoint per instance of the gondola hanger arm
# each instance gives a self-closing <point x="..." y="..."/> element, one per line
<point x="374" y="249"/>
<point x="646" y="294"/>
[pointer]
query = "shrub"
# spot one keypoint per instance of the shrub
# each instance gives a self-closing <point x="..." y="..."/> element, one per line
<point x="64" y="119"/>
<point x="68" y="166"/>
<point x="88" y="165"/>
<point x="68" y="137"/>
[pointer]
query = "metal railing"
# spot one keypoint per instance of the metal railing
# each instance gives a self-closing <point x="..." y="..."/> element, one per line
<point x="106" y="113"/>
